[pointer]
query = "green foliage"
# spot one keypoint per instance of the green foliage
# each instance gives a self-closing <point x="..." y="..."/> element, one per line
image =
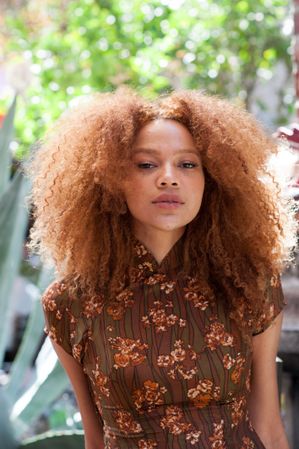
<point x="8" y="440"/>
<point x="86" y="45"/>
<point x="6" y="135"/>
<point x="13" y="221"/>
<point x="23" y="402"/>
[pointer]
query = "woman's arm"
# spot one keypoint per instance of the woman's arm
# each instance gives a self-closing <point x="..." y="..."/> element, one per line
<point x="263" y="401"/>
<point x="92" y="428"/>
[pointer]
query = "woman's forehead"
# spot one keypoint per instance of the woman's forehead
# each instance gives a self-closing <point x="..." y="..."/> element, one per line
<point x="161" y="129"/>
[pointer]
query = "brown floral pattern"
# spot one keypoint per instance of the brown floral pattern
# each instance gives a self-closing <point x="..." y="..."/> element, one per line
<point x="100" y="380"/>
<point x="147" y="444"/>
<point x="176" y="424"/>
<point x="204" y="393"/>
<point x="118" y="307"/>
<point x="216" y="335"/>
<point x="126" y="423"/>
<point x="193" y="294"/>
<point x="238" y="365"/>
<point x="165" y="365"/>
<point x="92" y="306"/>
<point x="247" y="443"/>
<point x="178" y="361"/>
<point x="130" y="352"/>
<point x="160" y="319"/>
<point x="217" y="439"/>
<point x="174" y="421"/>
<point x="238" y="410"/>
<point x="148" y="397"/>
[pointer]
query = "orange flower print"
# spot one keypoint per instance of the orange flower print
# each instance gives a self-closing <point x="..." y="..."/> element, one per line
<point x="168" y="287"/>
<point x="174" y="421"/>
<point x="217" y="336"/>
<point x="194" y="295"/>
<point x="238" y="369"/>
<point x="238" y="365"/>
<point x="121" y="360"/>
<point x="123" y="300"/>
<point x="159" y="319"/>
<point x="148" y="397"/>
<point x="135" y="275"/>
<point x="146" y="266"/>
<point x="155" y="279"/>
<point x="126" y="422"/>
<point x="217" y="439"/>
<point x="49" y="303"/>
<point x="238" y="410"/>
<point x="141" y="271"/>
<point x="179" y="353"/>
<point x="247" y="443"/>
<point x="129" y="352"/>
<point x="147" y="444"/>
<point x="180" y="362"/>
<point x="77" y="351"/>
<point x="100" y="381"/>
<point x="116" y="310"/>
<point x="193" y="436"/>
<point x="228" y="361"/>
<point x="52" y="333"/>
<point x="92" y="306"/>
<point x="140" y="249"/>
<point x="202" y="394"/>
<point x="48" y="300"/>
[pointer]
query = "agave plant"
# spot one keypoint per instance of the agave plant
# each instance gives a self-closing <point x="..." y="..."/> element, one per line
<point x="22" y="401"/>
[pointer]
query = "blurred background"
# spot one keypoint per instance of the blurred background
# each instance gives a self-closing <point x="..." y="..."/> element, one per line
<point x="54" y="52"/>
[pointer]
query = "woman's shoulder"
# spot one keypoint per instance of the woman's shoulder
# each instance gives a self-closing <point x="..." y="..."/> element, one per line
<point x="62" y="312"/>
<point x="273" y="304"/>
<point x="60" y="298"/>
<point x="55" y="296"/>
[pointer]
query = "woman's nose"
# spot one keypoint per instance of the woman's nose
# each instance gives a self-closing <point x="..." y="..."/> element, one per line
<point x="167" y="178"/>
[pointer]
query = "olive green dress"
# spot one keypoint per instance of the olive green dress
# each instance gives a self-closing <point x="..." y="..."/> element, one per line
<point x="166" y="367"/>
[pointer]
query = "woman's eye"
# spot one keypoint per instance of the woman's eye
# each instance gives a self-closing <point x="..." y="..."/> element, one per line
<point x="145" y="165"/>
<point x="188" y="164"/>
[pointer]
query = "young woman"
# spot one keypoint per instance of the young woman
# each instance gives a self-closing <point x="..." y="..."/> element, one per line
<point x="168" y="234"/>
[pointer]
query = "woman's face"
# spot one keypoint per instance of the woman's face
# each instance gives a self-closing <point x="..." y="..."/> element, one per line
<point x="165" y="183"/>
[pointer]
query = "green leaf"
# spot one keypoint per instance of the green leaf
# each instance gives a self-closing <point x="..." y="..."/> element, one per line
<point x="13" y="222"/>
<point x="40" y="395"/>
<point x="30" y="341"/>
<point x="6" y="135"/>
<point x="7" y="437"/>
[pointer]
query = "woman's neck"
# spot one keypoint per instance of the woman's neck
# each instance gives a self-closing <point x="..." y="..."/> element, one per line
<point x="158" y="242"/>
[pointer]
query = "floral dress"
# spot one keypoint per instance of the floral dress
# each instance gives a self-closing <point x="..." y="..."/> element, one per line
<point x="166" y="367"/>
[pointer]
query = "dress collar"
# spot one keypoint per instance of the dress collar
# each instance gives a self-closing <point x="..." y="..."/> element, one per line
<point x="145" y="265"/>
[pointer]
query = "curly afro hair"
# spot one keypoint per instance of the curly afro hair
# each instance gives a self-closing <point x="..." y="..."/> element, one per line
<point x="241" y="236"/>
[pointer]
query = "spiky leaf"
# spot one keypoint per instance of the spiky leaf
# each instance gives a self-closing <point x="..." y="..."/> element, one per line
<point x="6" y="136"/>
<point x="13" y="221"/>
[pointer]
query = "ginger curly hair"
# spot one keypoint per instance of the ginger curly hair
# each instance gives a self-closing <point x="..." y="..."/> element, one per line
<point x="242" y="234"/>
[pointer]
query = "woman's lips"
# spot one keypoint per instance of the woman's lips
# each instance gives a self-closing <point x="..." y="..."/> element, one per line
<point x="169" y="201"/>
<point x="167" y="205"/>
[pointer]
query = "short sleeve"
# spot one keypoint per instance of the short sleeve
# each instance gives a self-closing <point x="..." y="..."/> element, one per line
<point x="59" y="314"/>
<point x="273" y="306"/>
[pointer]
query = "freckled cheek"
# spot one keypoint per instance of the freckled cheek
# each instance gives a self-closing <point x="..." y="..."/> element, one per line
<point x="196" y="195"/>
<point x="136" y="189"/>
